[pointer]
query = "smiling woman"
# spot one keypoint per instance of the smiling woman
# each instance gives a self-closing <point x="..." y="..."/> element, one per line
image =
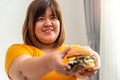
<point x="47" y="33"/>
<point x="42" y="48"/>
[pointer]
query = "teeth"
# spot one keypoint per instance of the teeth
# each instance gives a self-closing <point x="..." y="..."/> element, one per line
<point x="45" y="29"/>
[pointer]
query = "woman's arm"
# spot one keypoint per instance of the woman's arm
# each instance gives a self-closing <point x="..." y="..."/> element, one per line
<point x="28" y="67"/>
<point x="33" y="68"/>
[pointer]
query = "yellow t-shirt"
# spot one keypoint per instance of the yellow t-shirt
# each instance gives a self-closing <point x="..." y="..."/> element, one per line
<point x="19" y="49"/>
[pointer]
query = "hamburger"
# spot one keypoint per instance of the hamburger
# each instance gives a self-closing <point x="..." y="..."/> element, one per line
<point x="80" y="58"/>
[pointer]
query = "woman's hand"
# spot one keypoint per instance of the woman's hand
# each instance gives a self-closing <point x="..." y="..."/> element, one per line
<point x="93" y="71"/>
<point x="56" y="62"/>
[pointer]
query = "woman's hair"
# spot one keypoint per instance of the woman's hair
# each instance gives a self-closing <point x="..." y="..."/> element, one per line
<point x="35" y="10"/>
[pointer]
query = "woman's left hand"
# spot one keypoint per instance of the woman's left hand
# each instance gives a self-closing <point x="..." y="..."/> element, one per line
<point x="86" y="73"/>
<point x="93" y="71"/>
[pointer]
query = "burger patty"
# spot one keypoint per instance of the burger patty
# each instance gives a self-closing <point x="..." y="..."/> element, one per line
<point x="80" y="61"/>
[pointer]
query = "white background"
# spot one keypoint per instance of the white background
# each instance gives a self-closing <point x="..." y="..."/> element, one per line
<point x="12" y="14"/>
<point x="110" y="40"/>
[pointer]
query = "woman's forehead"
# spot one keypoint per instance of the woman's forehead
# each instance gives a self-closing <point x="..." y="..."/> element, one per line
<point x="48" y="11"/>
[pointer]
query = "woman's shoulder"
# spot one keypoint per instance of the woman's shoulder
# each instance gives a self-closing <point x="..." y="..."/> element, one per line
<point x="19" y="44"/>
<point x="22" y="47"/>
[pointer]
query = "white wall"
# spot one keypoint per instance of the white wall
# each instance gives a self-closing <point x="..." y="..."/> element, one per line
<point x="11" y="19"/>
<point x="12" y="14"/>
<point x="73" y="14"/>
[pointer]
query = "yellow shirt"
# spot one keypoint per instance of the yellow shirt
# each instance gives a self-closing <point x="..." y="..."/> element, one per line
<point x="19" y="49"/>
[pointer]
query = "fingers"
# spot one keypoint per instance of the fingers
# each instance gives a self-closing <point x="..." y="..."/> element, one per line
<point x="80" y="76"/>
<point x="62" y="68"/>
<point x="96" y="57"/>
<point x="63" y="65"/>
<point x="58" y="65"/>
<point x="86" y="73"/>
<point x="89" y="72"/>
<point x="65" y="52"/>
<point x="61" y="71"/>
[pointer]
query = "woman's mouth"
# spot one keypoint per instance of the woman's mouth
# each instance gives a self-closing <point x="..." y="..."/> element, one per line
<point x="47" y="30"/>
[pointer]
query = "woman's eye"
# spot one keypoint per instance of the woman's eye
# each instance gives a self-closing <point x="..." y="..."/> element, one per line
<point x="40" y="19"/>
<point x="54" y="18"/>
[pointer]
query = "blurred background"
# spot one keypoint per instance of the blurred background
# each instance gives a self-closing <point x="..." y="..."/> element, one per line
<point x="94" y="23"/>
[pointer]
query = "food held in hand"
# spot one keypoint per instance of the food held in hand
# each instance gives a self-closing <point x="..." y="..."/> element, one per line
<point x="80" y="59"/>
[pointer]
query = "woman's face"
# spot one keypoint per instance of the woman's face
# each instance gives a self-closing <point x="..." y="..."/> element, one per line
<point x="47" y="27"/>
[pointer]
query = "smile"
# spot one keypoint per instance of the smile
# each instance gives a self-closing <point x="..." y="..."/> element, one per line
<point x="47" y="29"/>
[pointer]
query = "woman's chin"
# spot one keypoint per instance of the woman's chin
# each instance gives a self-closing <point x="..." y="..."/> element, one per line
<point x="48" y="41"/>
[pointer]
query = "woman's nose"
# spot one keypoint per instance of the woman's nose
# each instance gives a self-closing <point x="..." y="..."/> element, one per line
<point x="47" y="22"/>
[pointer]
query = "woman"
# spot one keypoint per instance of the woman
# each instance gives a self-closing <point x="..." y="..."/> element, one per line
<point x="42" y="55"/>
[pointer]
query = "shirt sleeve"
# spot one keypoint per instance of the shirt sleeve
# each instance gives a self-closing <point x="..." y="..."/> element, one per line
<point x="12" y="53"/>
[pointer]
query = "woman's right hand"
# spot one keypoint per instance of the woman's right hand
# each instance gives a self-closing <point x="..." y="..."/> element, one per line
<point x="56" y="62"/>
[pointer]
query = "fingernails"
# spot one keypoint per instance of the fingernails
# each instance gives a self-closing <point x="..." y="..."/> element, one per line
<point x="89" y="70"/>
<point x="80" y="71"/>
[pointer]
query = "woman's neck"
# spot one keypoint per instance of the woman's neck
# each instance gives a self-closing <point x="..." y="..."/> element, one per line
<point x="48" y="49"/>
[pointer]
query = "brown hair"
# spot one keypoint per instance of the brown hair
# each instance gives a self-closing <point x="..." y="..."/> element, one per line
<point x="36" y="9"/>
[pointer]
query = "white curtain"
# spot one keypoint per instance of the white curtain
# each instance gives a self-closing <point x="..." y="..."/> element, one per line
<point x="110" y="40"/>
<point x="92" y="18"/>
